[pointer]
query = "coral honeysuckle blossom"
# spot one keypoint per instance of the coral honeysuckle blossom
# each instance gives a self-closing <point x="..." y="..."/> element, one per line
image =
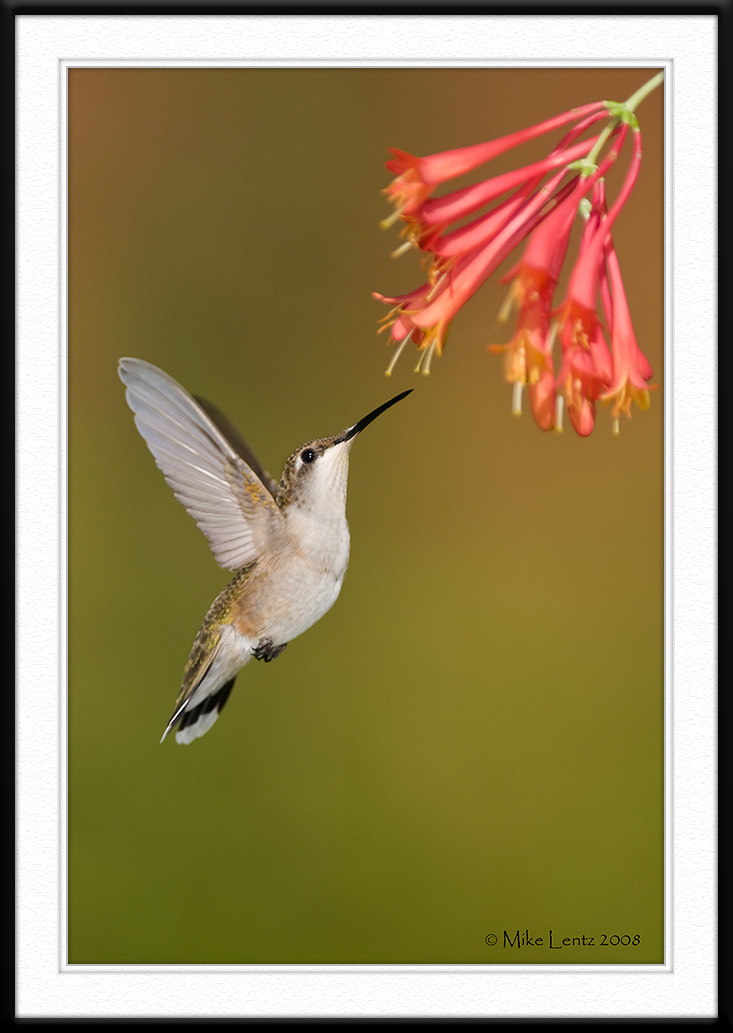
<point x="536" y="204"/>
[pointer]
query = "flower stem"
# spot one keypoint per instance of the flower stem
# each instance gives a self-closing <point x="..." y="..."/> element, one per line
<point x="629" y="107"/>
<point x="636" y="98"/>
<point x="600" y="142"/>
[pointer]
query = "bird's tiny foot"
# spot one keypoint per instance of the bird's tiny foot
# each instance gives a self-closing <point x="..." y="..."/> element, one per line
<point x="266" y="650"/>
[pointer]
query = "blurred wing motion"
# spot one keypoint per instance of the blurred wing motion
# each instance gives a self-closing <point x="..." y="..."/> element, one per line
<point x="225" y="496"/>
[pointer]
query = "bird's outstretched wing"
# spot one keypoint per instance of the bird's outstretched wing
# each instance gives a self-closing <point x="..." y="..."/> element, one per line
<point x="238" y="443"/>
<point x="223" y="494"/>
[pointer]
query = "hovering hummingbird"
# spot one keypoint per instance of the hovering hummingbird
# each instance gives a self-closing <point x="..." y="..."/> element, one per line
<point x="287" y="543"/>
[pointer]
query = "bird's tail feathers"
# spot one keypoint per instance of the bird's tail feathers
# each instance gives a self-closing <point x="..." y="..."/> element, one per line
<point x="193" y="722"/>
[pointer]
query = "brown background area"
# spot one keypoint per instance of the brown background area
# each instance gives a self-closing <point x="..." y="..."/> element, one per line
<point x="471" y="740"/>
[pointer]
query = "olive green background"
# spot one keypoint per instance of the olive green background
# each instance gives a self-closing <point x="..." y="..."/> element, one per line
<point x="471" y="741"/>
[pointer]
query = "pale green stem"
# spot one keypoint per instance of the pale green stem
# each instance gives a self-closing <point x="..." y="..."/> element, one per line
<point x="601" y="141"/>
<point x="636" y="98"/>
<point x="631" y="104"/>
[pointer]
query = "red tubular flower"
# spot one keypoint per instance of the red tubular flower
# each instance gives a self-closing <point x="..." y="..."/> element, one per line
<point x="578" y="312"/>
<point x="473" y="268"/>
<point x="528" y="356"/>
<point x="433" y="313"/>
<point x="482" y="229"/>
<point x="431" y="308"/>
<point x="631" y="369"/>
<point x="537" y="202"/>
<point x="586" y="370"/>
<point x="402" y="329"/>
<point x="544" y="254"/>
<point x="442" y="210"/>
<point x="584" y="375"/>
<point x="478" y="232"/>
<point x="538" y="272"/>
<point x="586" y="365"/>
<point x="416" y="177"/>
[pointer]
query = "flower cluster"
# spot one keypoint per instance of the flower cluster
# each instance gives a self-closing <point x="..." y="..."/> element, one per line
<point x="599" y="359"/>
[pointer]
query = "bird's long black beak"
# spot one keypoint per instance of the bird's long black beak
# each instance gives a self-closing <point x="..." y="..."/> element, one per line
<point x="366" y="420"/>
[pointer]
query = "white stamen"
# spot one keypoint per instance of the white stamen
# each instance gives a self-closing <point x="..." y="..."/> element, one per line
<point x="405" y="246"/>
<point x="559" y="408"/>
<point x="424" y="360"/>
<point x="429" y="296"/>
<point x="398" y="352"/>
<point x="517" y="398"/>
<point x="551" y="336"/>
<point x="506" y="307"/>
<point x="615" y="428"/>
<point x="391" y="219"/>
<point x="428" y="358"/>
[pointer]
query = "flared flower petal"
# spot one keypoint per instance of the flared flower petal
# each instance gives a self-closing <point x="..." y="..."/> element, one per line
<point x="584" y="375"/>
<point x="528" y="356"/>
<point x="630" y="368"/>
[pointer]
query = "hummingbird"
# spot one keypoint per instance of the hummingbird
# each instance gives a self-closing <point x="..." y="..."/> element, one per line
<point x="287" y="543"/>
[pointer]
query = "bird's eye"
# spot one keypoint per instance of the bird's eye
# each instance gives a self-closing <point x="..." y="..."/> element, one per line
<point x="308" y="455"/>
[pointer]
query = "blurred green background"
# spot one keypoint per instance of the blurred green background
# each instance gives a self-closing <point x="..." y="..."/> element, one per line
<point x="471" y="741"/>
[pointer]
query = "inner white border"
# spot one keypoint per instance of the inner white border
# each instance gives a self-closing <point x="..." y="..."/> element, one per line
<point x="685" y="986"/>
